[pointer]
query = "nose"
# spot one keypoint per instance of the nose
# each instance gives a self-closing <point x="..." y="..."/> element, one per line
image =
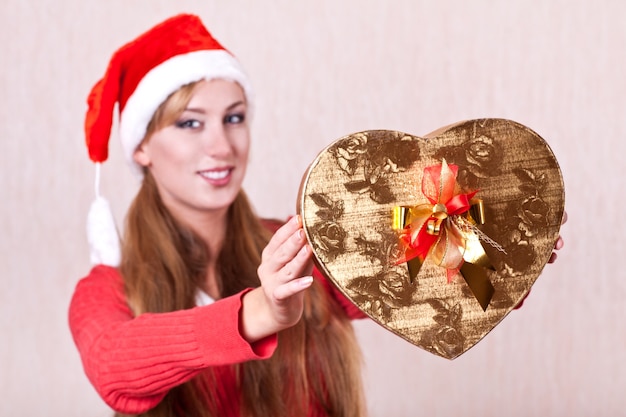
<point x="217" y="143"/>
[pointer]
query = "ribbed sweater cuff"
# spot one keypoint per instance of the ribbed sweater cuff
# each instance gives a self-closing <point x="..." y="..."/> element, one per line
<point x="221" y="340"/>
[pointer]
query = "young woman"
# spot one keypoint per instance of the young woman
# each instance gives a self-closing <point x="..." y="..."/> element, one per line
<point x="207" y="313"/>
<point x="210" y="311"/>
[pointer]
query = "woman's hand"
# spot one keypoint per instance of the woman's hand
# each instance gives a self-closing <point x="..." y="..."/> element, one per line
<point x="285" y="272"/>
<point x="559" y="242"/>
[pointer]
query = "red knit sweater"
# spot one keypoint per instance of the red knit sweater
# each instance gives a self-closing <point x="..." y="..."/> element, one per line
<point x="133" y="362"/>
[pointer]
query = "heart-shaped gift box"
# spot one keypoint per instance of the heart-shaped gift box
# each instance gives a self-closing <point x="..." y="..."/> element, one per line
<point x="436" y="238"/>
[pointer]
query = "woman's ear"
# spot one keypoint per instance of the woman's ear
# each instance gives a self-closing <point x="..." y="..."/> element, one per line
<point x="141" y="156"/>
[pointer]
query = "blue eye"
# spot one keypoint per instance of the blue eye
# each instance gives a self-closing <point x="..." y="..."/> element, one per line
<point x="188" y="124"/>
<point x="235" y="118"/>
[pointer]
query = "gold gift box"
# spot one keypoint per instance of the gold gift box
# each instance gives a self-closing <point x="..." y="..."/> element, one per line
<point x="348" y="197"/>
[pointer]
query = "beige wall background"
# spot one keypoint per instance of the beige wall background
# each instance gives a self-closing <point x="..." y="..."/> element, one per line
<point x="323" y="69"/>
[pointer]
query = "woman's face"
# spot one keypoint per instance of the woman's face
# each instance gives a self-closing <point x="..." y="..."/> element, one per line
<point x="199" y="161"/>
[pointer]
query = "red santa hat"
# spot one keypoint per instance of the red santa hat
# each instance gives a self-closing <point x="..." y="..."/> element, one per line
<point x="140" y="76"/>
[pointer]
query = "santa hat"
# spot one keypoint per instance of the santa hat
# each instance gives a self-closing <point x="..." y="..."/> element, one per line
<point x="140" y="76"/>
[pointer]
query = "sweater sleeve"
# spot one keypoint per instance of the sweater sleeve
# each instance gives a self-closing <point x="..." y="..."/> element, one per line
<point x="133" y="362"/>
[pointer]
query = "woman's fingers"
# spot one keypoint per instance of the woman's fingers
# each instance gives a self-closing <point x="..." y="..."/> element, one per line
<point x="553" y="257"/>
<point x="285" y="273"/>
<point x="298" y="265"/>
<point x="557" y="246"/>
<point x="559" y="242"/>
<point x="288" y="256"/>
<point x="288" y="251"/>
<point x="281" y="235"/>
<point x="285" y="291"/>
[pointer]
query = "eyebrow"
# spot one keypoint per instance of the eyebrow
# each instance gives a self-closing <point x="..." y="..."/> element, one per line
<point x="229" y="108"/>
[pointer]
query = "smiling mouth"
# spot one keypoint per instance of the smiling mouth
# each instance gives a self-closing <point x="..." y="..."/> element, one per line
<point x="219" y="177"/>
<point x="216" y="175"/>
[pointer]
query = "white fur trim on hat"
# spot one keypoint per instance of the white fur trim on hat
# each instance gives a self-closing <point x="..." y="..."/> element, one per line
<point x="166" y="78"/>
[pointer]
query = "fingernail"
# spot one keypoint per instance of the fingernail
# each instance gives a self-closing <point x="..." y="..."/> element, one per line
<point x="559" y="243"/>
<point x="306" y="281"/>
<point x="301" y="234"/>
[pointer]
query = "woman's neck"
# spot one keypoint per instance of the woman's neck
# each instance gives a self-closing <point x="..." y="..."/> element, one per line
<point x="211" y="227"/>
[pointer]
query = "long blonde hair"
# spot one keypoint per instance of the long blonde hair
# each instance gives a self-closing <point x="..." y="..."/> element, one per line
<point x="317" y="362"/>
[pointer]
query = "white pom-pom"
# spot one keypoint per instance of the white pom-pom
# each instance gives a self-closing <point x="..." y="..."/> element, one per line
<point x="104" y="241"/>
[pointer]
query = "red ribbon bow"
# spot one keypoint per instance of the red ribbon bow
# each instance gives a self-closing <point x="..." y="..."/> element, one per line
<point x="435" y="231"/>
